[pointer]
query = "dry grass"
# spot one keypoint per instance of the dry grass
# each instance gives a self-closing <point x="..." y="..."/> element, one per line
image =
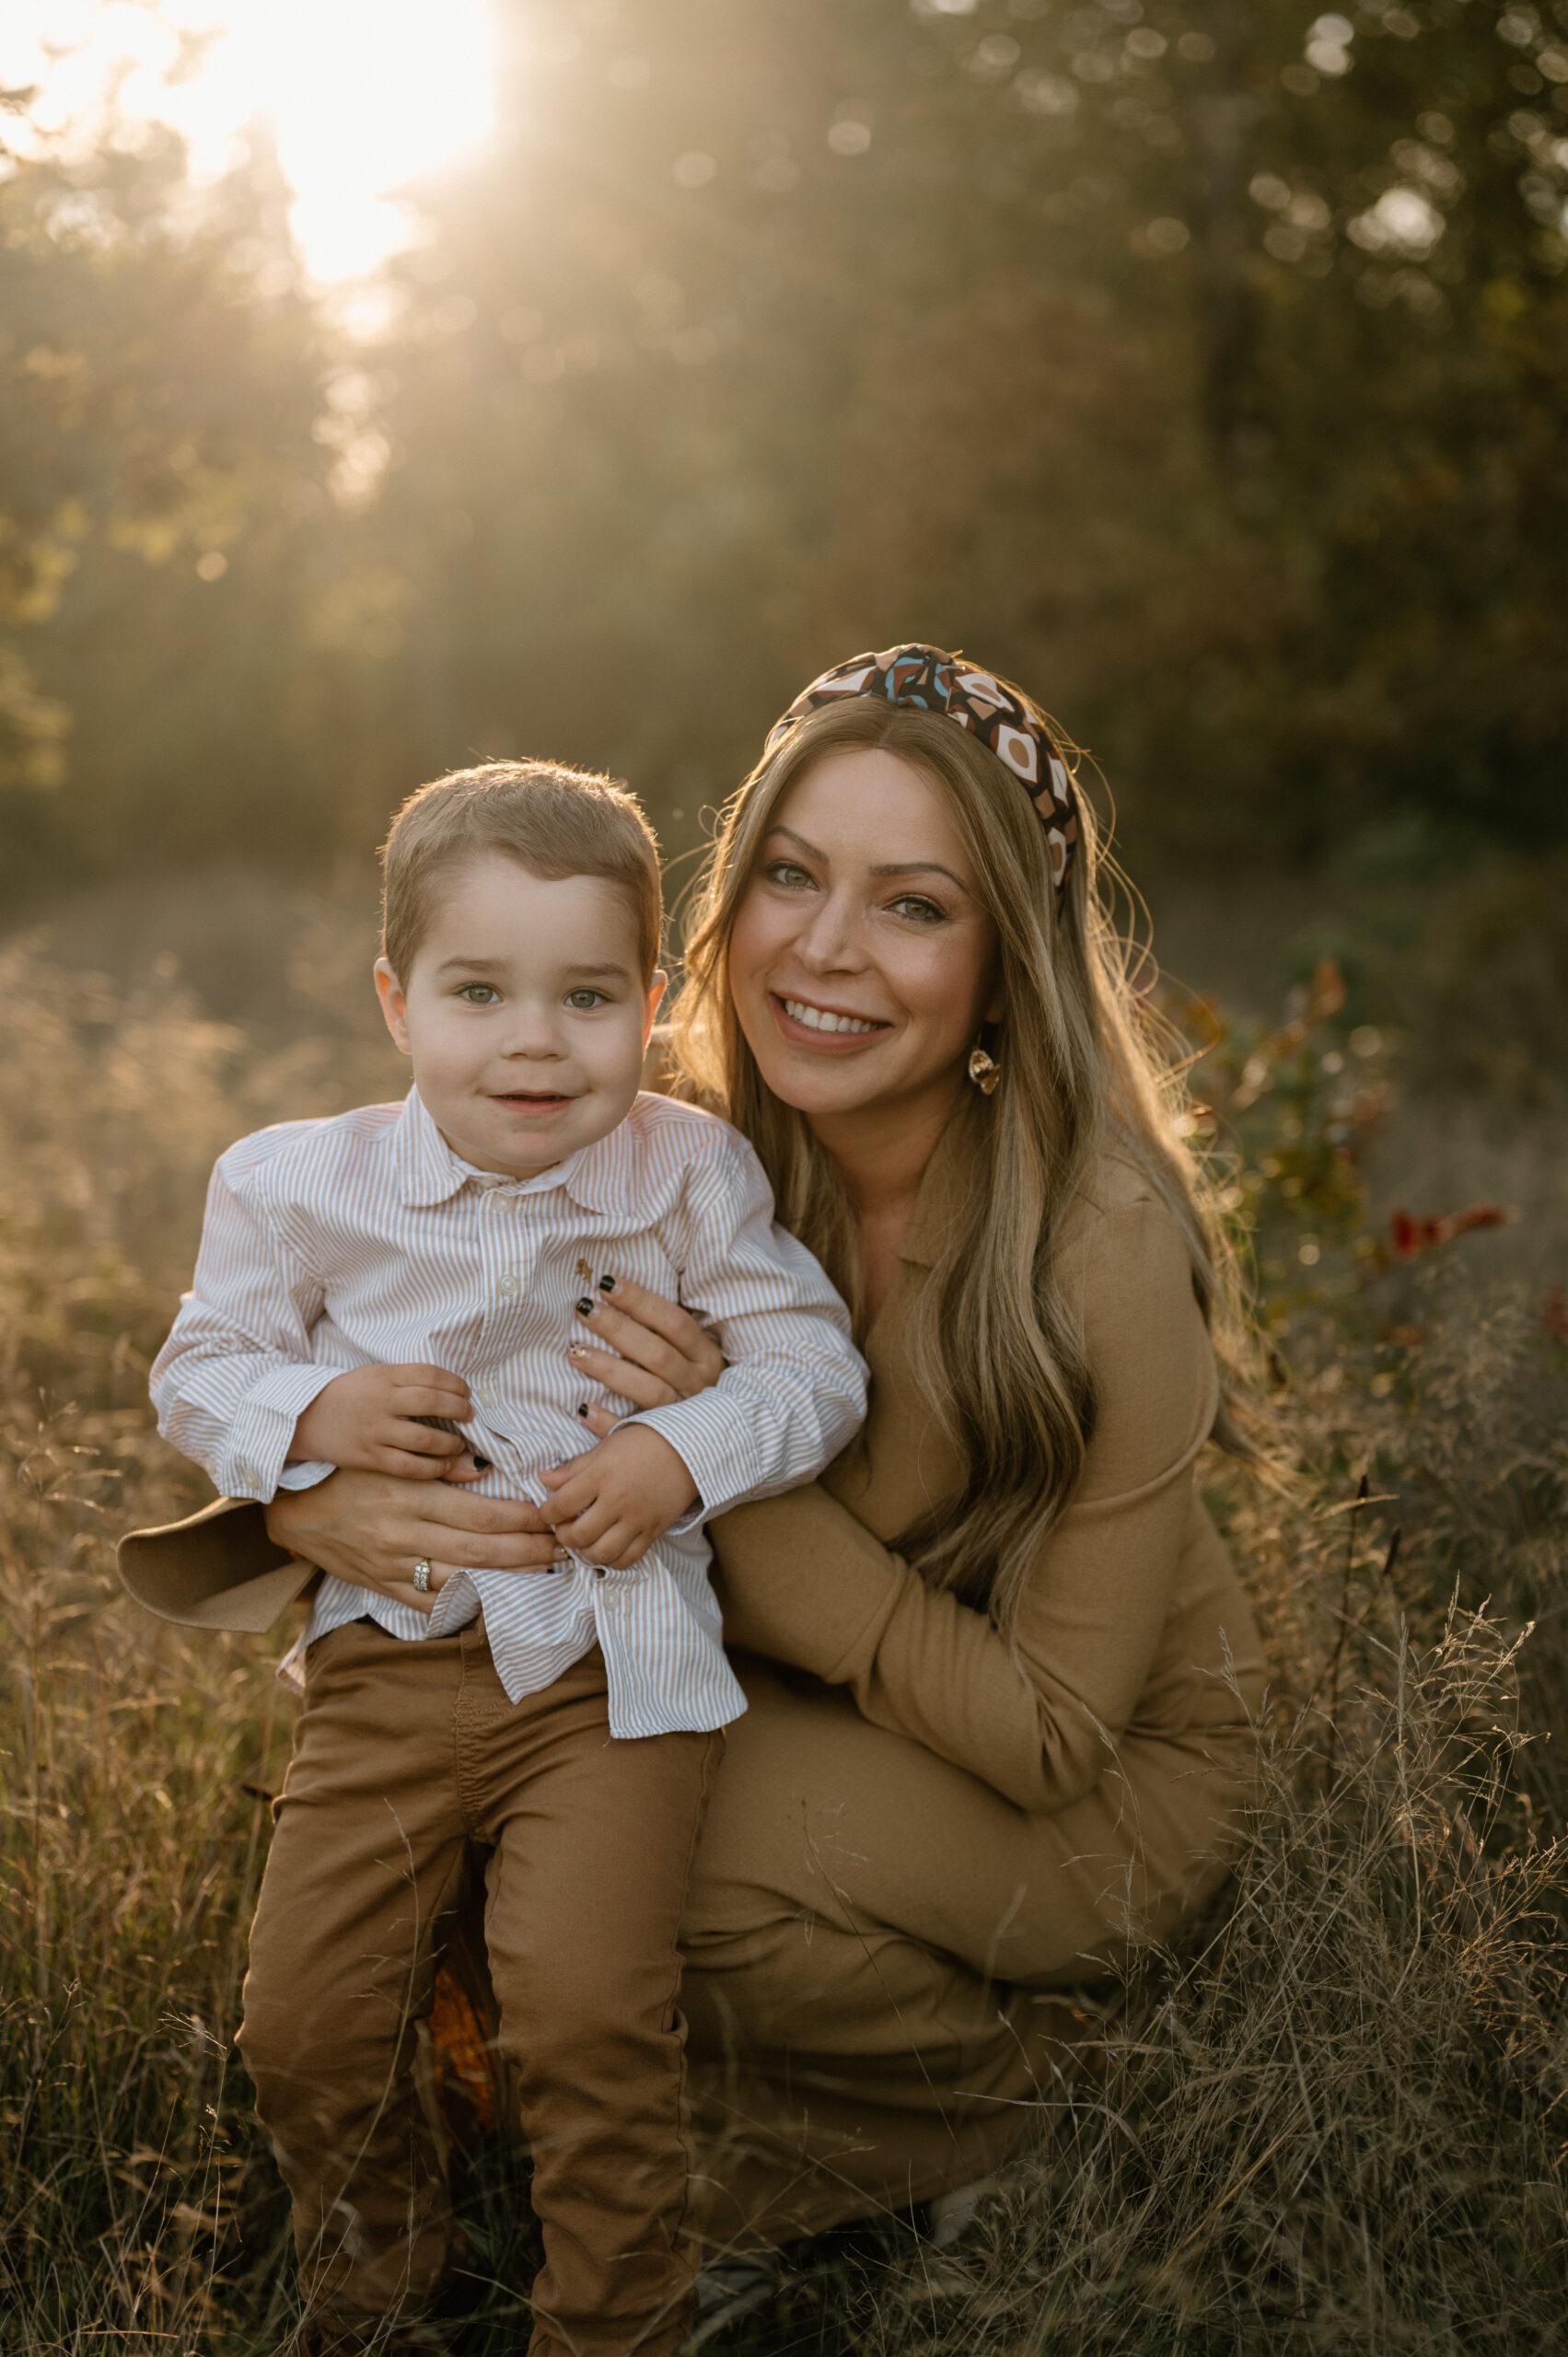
<point x="1335" y="2123"/>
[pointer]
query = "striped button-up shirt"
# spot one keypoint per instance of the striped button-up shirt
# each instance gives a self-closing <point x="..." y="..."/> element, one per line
<point x="364" y="1240"/>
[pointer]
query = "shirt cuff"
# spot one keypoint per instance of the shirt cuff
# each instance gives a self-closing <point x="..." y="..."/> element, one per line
<point x="262" y="1431"/>
<point x="304" y="1477"/>
<point x="715" y="1445"/>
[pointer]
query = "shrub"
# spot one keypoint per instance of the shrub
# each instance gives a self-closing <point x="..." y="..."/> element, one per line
<point x="1334" y="2122"/>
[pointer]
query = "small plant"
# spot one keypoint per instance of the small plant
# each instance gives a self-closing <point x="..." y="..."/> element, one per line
<point x="1334" y="2123"/>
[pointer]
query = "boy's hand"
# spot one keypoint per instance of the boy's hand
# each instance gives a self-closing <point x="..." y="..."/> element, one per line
<point x="368" y="1420"/>
<point x="613" y="1503"/>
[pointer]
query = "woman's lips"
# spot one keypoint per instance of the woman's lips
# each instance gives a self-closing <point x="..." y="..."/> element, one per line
<point x="835" y="1041"/>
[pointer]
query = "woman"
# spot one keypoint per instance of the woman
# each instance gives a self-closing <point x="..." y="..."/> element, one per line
<point x="1002" y="1675"/>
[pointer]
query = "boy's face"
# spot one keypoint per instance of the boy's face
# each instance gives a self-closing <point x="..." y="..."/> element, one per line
<point x="525" y="1015"/>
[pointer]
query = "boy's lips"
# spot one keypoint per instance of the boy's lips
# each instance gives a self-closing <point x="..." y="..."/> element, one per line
<point x="527" y="1102"/>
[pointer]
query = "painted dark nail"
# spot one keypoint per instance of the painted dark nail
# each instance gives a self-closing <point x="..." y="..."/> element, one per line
<point x="482" y="1464"/>
<point x="582" y="1407"/>
<point x="585" y="1306"/>
<point x="606" y="1285"/>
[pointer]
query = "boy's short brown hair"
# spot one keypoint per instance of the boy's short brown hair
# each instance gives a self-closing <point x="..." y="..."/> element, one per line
<point x="553" y="821"/>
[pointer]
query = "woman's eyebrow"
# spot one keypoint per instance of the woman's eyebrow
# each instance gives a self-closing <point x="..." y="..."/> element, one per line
<point x="800" y="843"/>
<point x="891" y="867"/>
<point x="922" y="867"/>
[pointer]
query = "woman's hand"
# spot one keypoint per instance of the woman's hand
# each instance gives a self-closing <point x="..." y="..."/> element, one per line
<point x="372" y="1527"/>
<point x="658" y="1352"/>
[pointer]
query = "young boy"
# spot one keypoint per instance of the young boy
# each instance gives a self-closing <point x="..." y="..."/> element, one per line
<point x="400" y="1263"/>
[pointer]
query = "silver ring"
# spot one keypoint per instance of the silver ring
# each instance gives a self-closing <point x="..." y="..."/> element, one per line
<point x="422" y="1578"/>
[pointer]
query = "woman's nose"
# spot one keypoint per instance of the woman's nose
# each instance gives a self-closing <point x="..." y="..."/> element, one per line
<point x="831" y="942"/>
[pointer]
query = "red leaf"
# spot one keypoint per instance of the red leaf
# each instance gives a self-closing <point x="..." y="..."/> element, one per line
<point x="1406" y="1238"/>
<point x="1412" y="1236"/>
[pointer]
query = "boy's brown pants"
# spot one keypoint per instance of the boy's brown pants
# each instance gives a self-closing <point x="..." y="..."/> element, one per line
<point x="403" y="1754"/>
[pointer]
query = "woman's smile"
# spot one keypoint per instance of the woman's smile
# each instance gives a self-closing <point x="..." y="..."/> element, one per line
<point x="810" y="1022"/>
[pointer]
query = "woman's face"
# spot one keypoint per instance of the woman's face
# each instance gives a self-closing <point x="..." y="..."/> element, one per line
<point x="862" y="962"/>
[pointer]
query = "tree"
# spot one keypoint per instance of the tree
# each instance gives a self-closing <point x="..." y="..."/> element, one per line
<point x="1198" y="363"/>
<point x="158" y="471"/>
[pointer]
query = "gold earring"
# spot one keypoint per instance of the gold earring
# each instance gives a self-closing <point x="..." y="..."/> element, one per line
<point x="984" y="1071"/>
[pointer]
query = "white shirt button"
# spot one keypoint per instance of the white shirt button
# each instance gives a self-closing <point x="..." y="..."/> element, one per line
<point x="508" y="1283"/>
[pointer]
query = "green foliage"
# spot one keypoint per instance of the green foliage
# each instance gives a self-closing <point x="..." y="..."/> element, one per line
<point x="1212" y="390"/>
<point x="159" y="470"/>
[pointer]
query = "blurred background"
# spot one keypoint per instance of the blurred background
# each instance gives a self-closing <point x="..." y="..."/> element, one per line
<point x="386" y="384"/>
<point x="386" y="387"/>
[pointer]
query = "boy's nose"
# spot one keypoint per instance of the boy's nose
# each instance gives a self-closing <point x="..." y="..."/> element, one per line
<point x="535" y="1044"/>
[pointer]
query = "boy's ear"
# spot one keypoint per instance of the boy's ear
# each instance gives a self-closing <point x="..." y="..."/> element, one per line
<point x="652" y="1004"/>
<point x="389" y="991"/>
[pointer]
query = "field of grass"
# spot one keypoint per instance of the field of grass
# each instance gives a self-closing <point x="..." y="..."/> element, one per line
<point x="1337" y="2121"/>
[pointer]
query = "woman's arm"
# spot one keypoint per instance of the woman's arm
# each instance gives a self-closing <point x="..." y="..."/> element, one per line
<point x="1038" y="1719"/>
<point x="793" y="1393"/>
<point x="237" y="1565"/>
<point x="372" y="1528"/>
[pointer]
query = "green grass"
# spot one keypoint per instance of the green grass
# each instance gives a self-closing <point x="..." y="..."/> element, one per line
<point x="1334" y="2122"/>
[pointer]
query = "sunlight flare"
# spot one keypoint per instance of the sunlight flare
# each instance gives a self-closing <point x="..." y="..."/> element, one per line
<point x="363" y="95"/>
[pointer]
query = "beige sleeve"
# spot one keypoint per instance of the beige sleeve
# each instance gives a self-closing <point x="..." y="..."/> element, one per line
<point x="805" y="1583"/>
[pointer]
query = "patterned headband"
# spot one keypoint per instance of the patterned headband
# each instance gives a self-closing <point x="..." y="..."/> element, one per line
<point x="928" y="680"/>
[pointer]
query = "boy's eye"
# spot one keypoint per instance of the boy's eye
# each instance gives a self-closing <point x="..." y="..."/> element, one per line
<point x="584" y="1001"/>
<point x="480" y="995"/>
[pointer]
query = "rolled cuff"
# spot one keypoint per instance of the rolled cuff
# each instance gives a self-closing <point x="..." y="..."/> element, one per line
<point x="254" y="1463"/>
<point x="716" y="1446"/>
<point x="304" y="1477"/>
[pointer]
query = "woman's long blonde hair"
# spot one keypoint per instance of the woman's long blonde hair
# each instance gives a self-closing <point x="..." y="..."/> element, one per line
<point x="997" y="1346"/>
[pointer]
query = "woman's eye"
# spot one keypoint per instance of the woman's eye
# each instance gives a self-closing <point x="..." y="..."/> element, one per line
<point x="920" y="911"/>
<point x="584" y="1001"/>
<point x="790" y="874"/>
<point x="480" y="995"/>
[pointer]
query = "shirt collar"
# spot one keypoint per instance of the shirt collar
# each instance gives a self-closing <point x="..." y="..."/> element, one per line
<point x="599" y="1177"/>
